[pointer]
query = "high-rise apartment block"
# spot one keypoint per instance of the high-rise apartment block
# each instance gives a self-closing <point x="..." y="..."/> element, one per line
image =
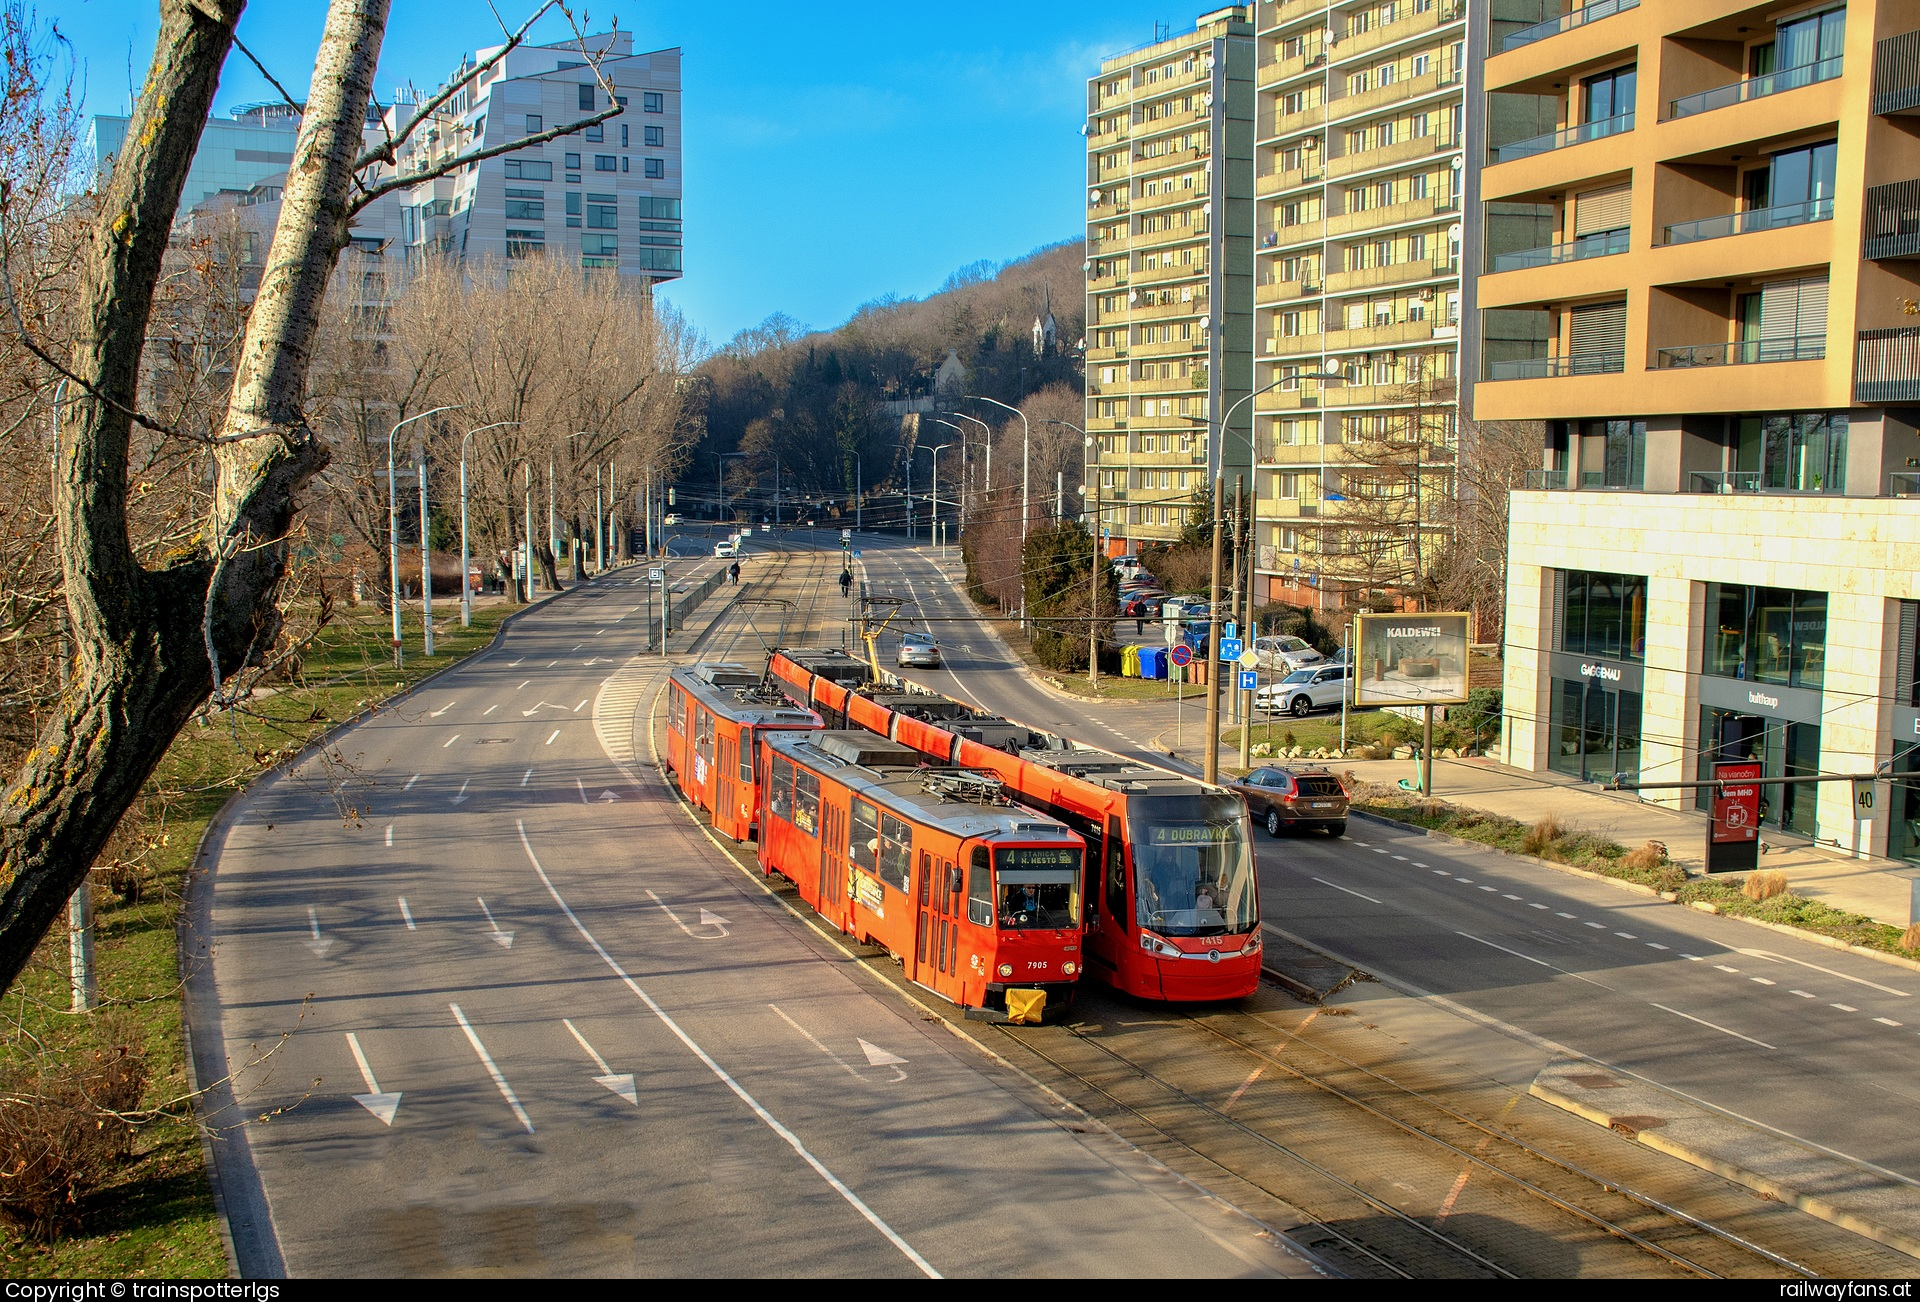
<point x="1712" y="310"/>
<point x="1169" y="270"/>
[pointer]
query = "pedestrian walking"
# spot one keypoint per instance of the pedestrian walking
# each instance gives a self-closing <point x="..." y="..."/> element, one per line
<point x="846" y="582"/>
<point x="734" y="570"/>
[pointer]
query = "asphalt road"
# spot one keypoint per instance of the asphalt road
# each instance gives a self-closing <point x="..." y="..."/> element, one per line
<point x="1817" y="1044"/>
<point x="492" y="1005"/>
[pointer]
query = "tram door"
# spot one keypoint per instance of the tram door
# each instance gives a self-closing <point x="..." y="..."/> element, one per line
<point x="724" y="815"/>
<point x="936" y="944"/>
<point x="833" y="864"/>
<point x="1105" y="941"/>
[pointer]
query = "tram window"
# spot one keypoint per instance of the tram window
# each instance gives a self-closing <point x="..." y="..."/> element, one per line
<point x="864" y="844"/>
<point x="1116" y="870"/>
<point x="806" y="801"/>
<point x="896" y="852"/>
<point x="1039" y="887"/>
<point x="746" y="754"/>
<point x="980" y="889"/>
<point x="926" y="877"/>
<point x="675" y="708"/>
<point x="780" y="789"/>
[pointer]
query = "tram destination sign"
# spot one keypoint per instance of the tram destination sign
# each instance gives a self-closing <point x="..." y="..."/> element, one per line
<point x="1411" y="659"/>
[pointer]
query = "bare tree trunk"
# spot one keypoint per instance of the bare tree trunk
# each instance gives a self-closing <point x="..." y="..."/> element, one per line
<point x="151" y="643"/>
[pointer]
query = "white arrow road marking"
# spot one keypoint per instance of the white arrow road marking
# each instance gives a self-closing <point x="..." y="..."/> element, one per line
<point x="317" y="945"/>
<point x="597" y="660"/>
<point x="443" y="709"/>
<point x="389" y="833"/>
<point x="504" y="938"/>
<point x="606" y="796"/>
<point x="767" y="1118"/>
<point x="516" y="664"/>
<point x="486" y="1060"/>
<point x="706" y="920"/>
<point x="382" y="1104"/>
<point x="878" y="1057"/>
<point x="845" y="1066"/>
<point x="528" y="714"/>
<point x="463" y="790"/>
<point x="451" y="740"/>
<point x="620" y="1083"/>
<point x="555" y="733"/>
<point x="407" y="913"/>
<point x="410" y="781"/>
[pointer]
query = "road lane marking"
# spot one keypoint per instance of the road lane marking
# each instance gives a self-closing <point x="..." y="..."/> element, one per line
<point x="707" y="919"/>
<point x="1626" y="935"/>
<point x="1464" y="881"/>
<point x="450" y="741"/>
<point x="1597" y="926"/>
<point x="516" y="664"/>
<point x="1654" y="944"/>
<point x="410" y="781"/>
<point x="523" y="684"/>
<point x="486" y="1059"/>
<point x="1886" y="1021"/>
<point x="576" y="709"/>
<point x="1531" y="959"/>
<point x="529" y="773"/>
<point x="772" y="1123"/>
<point x="407" y="913"/>
<point x="1381" y="850"/>
<point x="583" y="791"/>
<point x="1568" y="916"/>
<point x="503" y="938"/>
<point x="389" y="834"/>
<point x="1693" y="958"/>
<point x="1532" y="905"/>
<point x="1418" y="864"/>
<point x="620" y="1082"/>
<point x="442" y="710"/>
<point x="549" y="742"/>
<point x="1714" y="1026"/>
<point x="382" y="1104"/>
<point x="1401" y="857"/>
<point x="1722" y="967"/>
<point x="490" y="709"/>
<point x="1845" y="1008"/>
<point x="1760" y="981"/>
<point x="845" y="1066"/>
<point x="1509" y="897"/>
<point x="1489" y="888"/>
<point x="1443" y="872"/>
<point x="1860" y="981"/>
<point x="1804" y="994"/>
<point x="1368" y="898"/>
<point x="317" y="944"/>
<point x="1245" y="1085"/>
<point x="462" y="795"/>
<point x="577" y="646"/>
<point x="552" y="663"/>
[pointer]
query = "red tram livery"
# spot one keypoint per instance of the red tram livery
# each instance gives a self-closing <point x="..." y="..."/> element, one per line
<point x="1172" y="908"/>
<point x="714" y="711"/>
<point x="977" y="897"/>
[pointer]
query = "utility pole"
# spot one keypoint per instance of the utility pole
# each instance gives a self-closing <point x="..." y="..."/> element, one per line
<point x="1233" y="585"/>
<point x="1210" y="765"/>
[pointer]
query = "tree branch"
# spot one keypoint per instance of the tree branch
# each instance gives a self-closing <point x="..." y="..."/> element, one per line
<point x="296" y="107"/>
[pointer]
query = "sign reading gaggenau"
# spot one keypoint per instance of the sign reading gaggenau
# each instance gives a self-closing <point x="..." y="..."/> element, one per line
<point x="1411" y="659"/>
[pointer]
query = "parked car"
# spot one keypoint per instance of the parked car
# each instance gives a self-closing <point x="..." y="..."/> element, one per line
<point x="1141" y="605"/>
<point x="1296" y="796"/>
<point x="1303" y="691"/>
<point x="917" y="651"/>
<point x="1284" y="651"/>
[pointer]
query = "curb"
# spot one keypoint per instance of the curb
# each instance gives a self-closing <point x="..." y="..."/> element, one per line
<point x="1636" y="888"/>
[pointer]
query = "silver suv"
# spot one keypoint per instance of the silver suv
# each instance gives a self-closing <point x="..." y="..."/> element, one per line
<point x="1303" y="691"/>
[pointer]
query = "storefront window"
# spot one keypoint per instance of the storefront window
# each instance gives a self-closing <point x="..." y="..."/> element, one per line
<point x="1595" y="731"/>
<point x="1766" y="635"/>
<point x="1604" y="615"/>
<point x="1782" y="750"/>
<point x="1903" y="836"/>
<point x="1794" y="452"/>
<point x="1622" y="450"/>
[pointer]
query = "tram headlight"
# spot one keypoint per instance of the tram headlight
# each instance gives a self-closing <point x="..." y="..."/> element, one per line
<point x="1006" y="969"/>
<point x="1069" y="967"/>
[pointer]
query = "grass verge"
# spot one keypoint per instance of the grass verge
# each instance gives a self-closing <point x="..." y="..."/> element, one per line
<point x="155" y="1218"/>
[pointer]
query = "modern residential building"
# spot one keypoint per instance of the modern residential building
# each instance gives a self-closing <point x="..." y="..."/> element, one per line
<point x="1169" y="269"/>
<point x="1357" y="307"/>
<point x="1718" y="557"/>
<point x="235" y="155"/>
<point x="608" y="195"/>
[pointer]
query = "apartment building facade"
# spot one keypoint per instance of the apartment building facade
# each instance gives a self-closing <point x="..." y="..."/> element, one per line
<point x="1359" y="184"/>
<point x="1718" y="557"/>
<point x="1169" y="270"/>
<point x="251" y="146"/>
<point x="607" y="197"/>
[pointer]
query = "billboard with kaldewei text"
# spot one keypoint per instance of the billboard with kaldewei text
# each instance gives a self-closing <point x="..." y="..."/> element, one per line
<point x="1411" y="659"/>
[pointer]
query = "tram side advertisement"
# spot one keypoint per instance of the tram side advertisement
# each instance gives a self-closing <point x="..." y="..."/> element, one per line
<point x="1411" y="659"/>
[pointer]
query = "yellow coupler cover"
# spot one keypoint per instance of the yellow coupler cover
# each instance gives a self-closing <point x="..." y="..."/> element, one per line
<point x="1026" y="1006"/>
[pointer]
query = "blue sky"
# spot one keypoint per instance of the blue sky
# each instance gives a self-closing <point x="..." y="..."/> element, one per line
<point x="834" y="153"/>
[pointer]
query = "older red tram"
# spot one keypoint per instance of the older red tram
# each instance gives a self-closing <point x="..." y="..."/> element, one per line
<point x="1172" y="904"/>
<point x="978" y="897"/>
<point x="714" y="711"/>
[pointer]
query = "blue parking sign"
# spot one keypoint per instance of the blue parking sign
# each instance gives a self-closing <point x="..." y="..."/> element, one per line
<point x="1249" y="680"/>
<point x="1229" y="648"/>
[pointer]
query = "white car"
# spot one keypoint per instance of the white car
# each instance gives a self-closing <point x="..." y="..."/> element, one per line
<point x="727" y="547"/>
<point x="671" y="520"/>
<point x="1284" y="651"/>
<point x="1303" y="691"/>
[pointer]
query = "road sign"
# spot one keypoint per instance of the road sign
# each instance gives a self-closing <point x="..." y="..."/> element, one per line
<point x="656" y="576"/>
<point x="1181" y="655"/>
<point x="1863" y="798"/>
<point x="1232" y="630"/>
<point x="1229" y="649"/>
<point x="1249" y="660"/>
<point x="1249" y="680"/>
<point x="1172" y="631"/>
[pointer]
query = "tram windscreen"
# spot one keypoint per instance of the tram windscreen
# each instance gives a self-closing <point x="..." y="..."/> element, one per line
<point x="1192" y="865"/>
<point x="1037" y="887"/>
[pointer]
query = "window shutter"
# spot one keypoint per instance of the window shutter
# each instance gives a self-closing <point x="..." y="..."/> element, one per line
<point x="1792" y="309"/>
<point x="1559" y="609"/>
<point x="1904" y="669"/>
<point x="1600" y="330"/>
<point x="1607" y="209"/>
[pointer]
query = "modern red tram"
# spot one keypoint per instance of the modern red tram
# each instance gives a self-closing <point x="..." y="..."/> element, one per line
<point x="1172" y="901"/>
<point x="977" y="897"/>
<point x="714" y="711"/>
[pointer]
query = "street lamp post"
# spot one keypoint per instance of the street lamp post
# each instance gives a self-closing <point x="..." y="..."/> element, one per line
<point x="1092" y="486"/>
<point x="962" y="432"/>
<point x="1026" y="455"/>
<point x="466" y="592"/>
<point x="599" y="526"/>
<point x="934" y="527"/>
<point x="986" y="431"/>
<point x="393" y="527"/>
<point x="426" y="561"/>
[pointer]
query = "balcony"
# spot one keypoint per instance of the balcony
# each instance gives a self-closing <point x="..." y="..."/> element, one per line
<point x="1565" y="23"/>
<point x="1546" y="480"/>
<point x="1892" y="226"/>
<point x="1561" y="139"/>
<point x="1740" y="92"/>
<point x="1745" y="352"/>
<point x="1886" y="366"/>
<point x="1587" y="246"/>
<point x="1724" y="481"/>
<point x="1754" y="219"/>
<point x="1545" y="368"/>
<point x="1896" y="74"/>
<point x="1399" y="273"/>
<point x="1265" y="187"/>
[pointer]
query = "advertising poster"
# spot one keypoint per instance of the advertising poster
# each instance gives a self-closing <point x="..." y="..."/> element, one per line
<point x="1411" y="659"/>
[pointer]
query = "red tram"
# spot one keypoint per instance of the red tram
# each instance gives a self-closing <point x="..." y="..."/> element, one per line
<point x="1172" y="901"/>
<point x="977" y="897"/>
<point x="714" y="711"/>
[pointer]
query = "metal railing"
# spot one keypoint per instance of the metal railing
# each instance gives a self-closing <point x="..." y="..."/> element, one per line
<point x="1726" y="481"/>
<point x="1744" y="352"/>
<point x="1896" y="73"/>
<point x="1771" y="83"/>
<point x="1586" y="246"/>
<point x="1548" y="480"/>
<point x="1561" y="139"/>
<point x="1565" y="23"/>
<point x="1754" y="219"/>
<point x="1886" y="366"/>
<point x="1891" y="228"/>
<point x="1540" y="368"/>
